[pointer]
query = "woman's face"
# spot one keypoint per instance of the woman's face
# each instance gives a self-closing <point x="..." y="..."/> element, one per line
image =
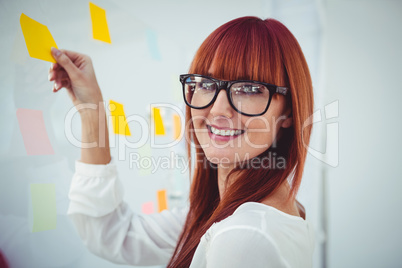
<point x="254" y="134"/>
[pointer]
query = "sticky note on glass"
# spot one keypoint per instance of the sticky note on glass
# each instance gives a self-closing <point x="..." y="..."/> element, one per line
<point x="162" y="200"/>
<point x="148" y="207"/>
<point x="33" y="130"/>
<point x="43" y="197"/>
<point x="158" y="122"/>
<point x="100" y="30"/>
<point x="177" y="126"/>
<point x="120" y="125"/>
<point x="152" y="41"/>
<point x="38" y="39"/>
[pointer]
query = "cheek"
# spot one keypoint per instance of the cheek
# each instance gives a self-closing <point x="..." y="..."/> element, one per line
<point x="261" y="131"/>
<point x="198" y="117"/>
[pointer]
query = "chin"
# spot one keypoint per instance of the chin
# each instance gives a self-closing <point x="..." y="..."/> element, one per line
<point x="219" y="156"/>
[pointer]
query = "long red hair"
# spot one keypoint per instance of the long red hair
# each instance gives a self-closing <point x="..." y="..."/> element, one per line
<point x="261" y="50"/>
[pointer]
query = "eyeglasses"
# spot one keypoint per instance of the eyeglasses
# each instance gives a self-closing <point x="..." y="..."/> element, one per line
<point x="250" y="98"/>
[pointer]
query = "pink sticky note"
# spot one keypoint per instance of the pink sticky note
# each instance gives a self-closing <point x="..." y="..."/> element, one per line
<point x="148" y="207"/>
<point x="33" y="130"/>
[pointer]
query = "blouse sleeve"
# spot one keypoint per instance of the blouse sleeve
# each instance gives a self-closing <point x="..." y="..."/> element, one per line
<point x="243" y="246"/>
<point x="110" y="229"/>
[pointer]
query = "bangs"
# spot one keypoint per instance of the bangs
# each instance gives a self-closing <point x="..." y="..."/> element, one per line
<point x="252" y="55"/>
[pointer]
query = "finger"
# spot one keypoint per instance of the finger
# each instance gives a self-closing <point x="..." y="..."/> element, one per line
<point x="66" y="62"/>
<point x="60" y="83"/>
<point x="51" y="73"/>
<point x="54" y="88"/>
<point x="57" y="84"/>
<point x="54" y="66"/>
<point x="61" y="74"/>
<point x="72" y="54"/>
<point x="63" y="84"/>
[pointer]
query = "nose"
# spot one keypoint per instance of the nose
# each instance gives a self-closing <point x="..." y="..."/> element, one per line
<point x="221" y="106"/>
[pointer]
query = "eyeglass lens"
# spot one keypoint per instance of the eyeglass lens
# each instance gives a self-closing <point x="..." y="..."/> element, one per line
<point x="247" y="97"/>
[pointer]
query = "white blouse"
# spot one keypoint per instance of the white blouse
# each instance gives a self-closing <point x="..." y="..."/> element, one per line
<point x="256" y="235"/>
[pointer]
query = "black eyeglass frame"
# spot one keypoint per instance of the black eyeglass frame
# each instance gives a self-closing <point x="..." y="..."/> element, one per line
<point x="226" y="85"/>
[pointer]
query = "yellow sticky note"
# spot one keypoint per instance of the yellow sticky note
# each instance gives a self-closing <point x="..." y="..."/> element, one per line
<point x="177" y="126"/>
<point x="43" y="196"/>
<point x="120" y="125"/>
<point x="162" y="200"/>
<point x="100" y="30"/>
<point x="159" y="128"/>
<point x="38" y="39"/>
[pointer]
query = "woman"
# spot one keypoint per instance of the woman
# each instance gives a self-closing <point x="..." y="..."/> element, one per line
<point x="243" y="210"/>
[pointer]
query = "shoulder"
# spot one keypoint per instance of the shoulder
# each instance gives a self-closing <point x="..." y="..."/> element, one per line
<point x="243" y="246"/>
<point x="259" y="234"/>
<point x="263" y="218"/>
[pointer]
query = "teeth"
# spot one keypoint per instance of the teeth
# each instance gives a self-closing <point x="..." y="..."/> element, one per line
<point x="225" y="132"/>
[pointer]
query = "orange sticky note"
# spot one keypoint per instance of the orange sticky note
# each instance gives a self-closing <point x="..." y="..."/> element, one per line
<point x="33" y="130"/>
<point x="120" y="125"/>
<point x="162" y="201"/>
<point x="38" y="39"/>
<point x="159" y="128"/>
<point x="100" y="30"/>
<point x="148" y="207"/>
<point x="177" y="126"/>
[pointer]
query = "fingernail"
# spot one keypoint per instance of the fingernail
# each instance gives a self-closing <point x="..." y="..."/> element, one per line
<point x="56" y="52"/>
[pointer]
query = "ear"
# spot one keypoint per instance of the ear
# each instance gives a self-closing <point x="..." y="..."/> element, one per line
<point x="288" y="122"/>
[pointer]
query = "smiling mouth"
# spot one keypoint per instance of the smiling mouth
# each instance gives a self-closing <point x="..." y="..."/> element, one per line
<point x="225" y="132"/>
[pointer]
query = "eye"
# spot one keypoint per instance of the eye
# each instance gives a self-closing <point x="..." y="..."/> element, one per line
<point x="200" y="84"/>
<point x="246" y="89"/>
<point x="190" y="87"/>
<point x="206" y="86"/>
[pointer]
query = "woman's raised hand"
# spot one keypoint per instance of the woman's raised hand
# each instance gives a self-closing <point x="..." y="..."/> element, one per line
<point x="75" y="72"/>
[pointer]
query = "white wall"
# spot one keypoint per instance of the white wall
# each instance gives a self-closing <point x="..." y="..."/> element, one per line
<point x="363" y="71"/>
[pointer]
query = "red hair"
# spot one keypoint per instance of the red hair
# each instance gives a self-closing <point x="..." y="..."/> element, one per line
<point x="254" y="49"/>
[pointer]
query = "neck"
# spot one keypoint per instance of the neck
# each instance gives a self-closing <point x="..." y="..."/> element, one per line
<point x="223" y="172"/>
<point x="277" y="199"/>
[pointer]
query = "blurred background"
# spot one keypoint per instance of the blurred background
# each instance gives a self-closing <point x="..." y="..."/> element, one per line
<point x="352" y="179"/>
